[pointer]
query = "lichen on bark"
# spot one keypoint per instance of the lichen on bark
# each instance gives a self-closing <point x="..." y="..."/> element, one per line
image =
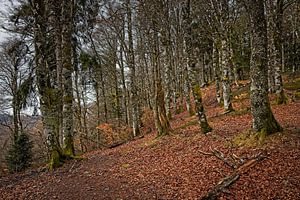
<point x="263" y="118"/>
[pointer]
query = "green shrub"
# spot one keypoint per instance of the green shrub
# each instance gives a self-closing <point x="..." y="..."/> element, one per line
<point x="19" y="156"/>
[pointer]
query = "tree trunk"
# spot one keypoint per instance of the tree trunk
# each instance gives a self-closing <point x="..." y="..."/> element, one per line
<point x="168" y="54"/>
<point x="192" y="69"/>
<point x="216" y="68"/>
<point x="46" y="92"/>
<point x="68" y="128"/>
<point x="226" y="75"/>
<point x="281" y="98"/>
<point x="187" y="92"/>
<point x="161" y="119"/>
<point x="131" y="65"/>
<point x="263" y="118"/>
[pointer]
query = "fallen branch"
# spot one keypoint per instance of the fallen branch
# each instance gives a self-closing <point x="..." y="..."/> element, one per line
<point x="220" y="156"/>
<point x="233" y="177"/>
<point x="116" y="144"/>
<point x="205" y="153"/>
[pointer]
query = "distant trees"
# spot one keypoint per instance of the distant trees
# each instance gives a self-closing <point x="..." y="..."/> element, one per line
<point x="16" y="80"/>
<point x="17" y="83"/>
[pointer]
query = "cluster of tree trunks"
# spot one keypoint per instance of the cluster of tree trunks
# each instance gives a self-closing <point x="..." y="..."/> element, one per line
<point x="106" y="62"/>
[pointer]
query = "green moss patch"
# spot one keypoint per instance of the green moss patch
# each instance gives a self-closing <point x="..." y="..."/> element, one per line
<point x="293" y="85"/>
<point x="247" y="139"/>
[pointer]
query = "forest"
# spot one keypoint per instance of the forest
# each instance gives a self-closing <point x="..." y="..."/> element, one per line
<point x="150" y="99"/>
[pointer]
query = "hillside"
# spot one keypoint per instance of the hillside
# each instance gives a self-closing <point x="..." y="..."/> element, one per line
<point x="183" y="165"/>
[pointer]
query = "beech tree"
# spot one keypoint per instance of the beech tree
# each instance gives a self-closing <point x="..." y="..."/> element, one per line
<point x="68" y="127"/>
<point x="48" y="82"/>
<point x="263" y="118"/>
<point x="190" y="50"/>
<point x="16" y="80"/>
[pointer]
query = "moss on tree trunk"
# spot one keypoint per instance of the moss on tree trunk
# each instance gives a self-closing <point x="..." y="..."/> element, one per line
<point x="263" y="118"/>
<point x="191" y="51"/>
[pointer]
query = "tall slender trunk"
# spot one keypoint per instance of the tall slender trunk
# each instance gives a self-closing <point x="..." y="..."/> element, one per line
<point x="68" y="128"/>
<point x="116" y="84"/>
<point x="166" y="41"/>
<point x="226" y="75"/>
<point x="124" y="88"/>
<point x="192" y="69"/>
<point x="131" y="65"/>
<point x="281" y="98"/>
<point x="217" y="73"/>
<point x="15" y="104"/>
<point x="263" y="118"/>
<point x="78" y="109"/>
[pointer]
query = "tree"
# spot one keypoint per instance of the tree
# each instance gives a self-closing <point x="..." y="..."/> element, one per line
<point x="46" y="90"/>
<point x="68" y="127"/>
<point x="20" y="155"/>
<point x="190" y="51"/>
<point x="16" y="79"/>
<point x="279" y="61"/>
<point x="222" y="24"/>
<point x="49" y="74"/>
<point x="263" y="118"/>
<point x="132" y="67"/>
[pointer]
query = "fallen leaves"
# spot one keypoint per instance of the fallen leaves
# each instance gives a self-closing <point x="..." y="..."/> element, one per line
<point x="173" y="167"/>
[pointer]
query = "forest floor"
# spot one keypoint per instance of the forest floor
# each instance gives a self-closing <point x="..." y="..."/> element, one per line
<point x="182" y="165"/>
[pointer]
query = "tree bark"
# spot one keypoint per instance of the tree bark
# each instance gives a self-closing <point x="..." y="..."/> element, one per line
<point x="263" y="118"/>
<point x="192" y="69"/>
<point x="281" y="98"/>
<point x="226" y="75"/>
<point x="46" y="91"/>
<point x="216" y="68"/>
<point x="161" y="120"/>
<point x="131" y="65"/>
<point x="68" y="129"/>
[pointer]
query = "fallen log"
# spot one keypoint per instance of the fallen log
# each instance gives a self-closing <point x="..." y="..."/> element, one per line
<point x="232" y="178"/>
